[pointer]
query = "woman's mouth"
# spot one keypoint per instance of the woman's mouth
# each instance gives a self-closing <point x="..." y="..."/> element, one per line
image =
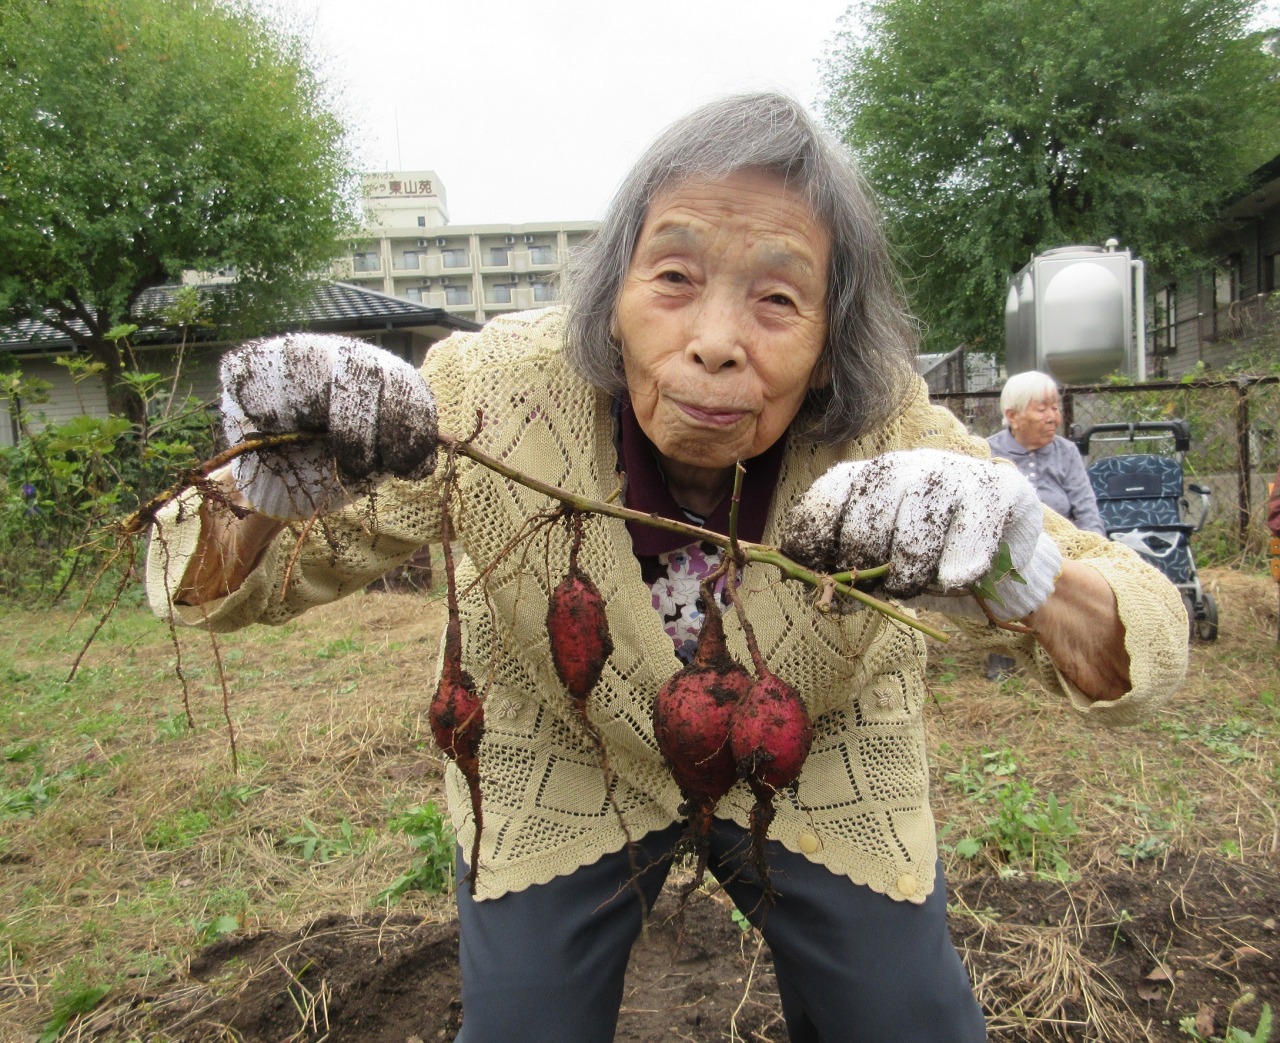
<point x="712" y="416"/>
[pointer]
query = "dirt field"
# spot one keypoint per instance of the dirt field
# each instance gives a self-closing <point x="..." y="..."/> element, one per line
<point x="1176" y="944"/>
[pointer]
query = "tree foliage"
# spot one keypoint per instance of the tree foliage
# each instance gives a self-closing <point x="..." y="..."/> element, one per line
<point x="994" y="129"/>
<point x="139" y="138"/>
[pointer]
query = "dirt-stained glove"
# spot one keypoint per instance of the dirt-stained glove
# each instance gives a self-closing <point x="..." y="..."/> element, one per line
<point x="937" y="519"/>
<point x="377" y="412"/>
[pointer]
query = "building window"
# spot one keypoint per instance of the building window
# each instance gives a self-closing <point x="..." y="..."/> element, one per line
<point x="454" y="258"/>
<point x="422" y="221"/>
<point x="457" y="295"/>
<point x="500" y="294"/>
<point x="1164" y="320"/>
<point x="542" y="255"/>
<point x="414" y="293"/>
<point x="366" y="262"/>
<point x="409" y="261"/>
<point x="544" y="291"/>
<point x="499" y="256"/>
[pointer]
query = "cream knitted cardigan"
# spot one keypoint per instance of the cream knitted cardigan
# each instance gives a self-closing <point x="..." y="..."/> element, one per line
<point x="861" y="807"/>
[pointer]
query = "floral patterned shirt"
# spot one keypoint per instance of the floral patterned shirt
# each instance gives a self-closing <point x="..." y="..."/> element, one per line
<point x="675" y="579"/>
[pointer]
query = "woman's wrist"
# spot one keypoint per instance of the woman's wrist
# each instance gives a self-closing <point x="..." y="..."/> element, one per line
<point x="229" y="548"/>
<point x="1079" y="627"/>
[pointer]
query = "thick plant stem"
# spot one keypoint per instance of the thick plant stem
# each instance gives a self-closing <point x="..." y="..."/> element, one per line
<point x="842" y="584"/>
<point x="759" y="552"/>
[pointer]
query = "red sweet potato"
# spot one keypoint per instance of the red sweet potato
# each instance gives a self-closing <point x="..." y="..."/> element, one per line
<point x="456" y="714"/>
<point x="691" y="715"/>
<point x="579" y="634"/>
<point x="770" y="735"/>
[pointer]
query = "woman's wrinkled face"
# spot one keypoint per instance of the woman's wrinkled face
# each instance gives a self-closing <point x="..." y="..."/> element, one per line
<point x="1035" y="427"/>
<point x="722" y="317"/>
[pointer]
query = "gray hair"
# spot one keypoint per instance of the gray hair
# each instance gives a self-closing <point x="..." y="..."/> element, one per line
<point x="871" y="340"/>
<point x="1021" y="389"/>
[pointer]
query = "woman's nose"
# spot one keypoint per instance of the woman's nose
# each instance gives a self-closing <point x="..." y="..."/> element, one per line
<point x="716" y="338"/>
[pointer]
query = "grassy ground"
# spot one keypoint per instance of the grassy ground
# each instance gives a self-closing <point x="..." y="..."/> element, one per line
<point x="138" y="823"/>
<point x="142" y="819"/>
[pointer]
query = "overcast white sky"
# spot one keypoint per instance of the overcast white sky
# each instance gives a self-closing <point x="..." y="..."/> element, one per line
<point x="534" y="110"/>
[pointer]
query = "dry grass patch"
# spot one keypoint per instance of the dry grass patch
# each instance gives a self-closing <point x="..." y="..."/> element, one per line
<point x="143" y="837"/>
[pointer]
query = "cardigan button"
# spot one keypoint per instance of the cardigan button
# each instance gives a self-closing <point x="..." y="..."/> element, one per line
<point x="808" y="841"/>
<point x="908" y="885"/>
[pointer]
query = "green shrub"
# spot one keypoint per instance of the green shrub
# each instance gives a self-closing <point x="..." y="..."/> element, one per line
<point x="64" y="484"/>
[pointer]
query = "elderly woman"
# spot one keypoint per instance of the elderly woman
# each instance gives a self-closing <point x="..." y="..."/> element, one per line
<point x="1032" y="413"/>
<point x="737" y="305"/>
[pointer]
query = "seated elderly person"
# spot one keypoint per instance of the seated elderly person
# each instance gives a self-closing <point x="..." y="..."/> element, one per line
<point x="737" y="305"/>
<point x="1032" y="412"/>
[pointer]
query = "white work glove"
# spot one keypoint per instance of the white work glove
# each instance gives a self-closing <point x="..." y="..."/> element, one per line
<point x="937" y="519"/>
<point x="377" y="412"/>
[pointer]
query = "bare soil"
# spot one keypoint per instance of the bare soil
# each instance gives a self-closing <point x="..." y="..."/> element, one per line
<point x="1184" y="935"/>
<point x="1121" y="953"/>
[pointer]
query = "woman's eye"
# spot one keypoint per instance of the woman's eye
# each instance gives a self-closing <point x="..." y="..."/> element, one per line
<point x="779" y="298"/>
<point x="673" y="277"/>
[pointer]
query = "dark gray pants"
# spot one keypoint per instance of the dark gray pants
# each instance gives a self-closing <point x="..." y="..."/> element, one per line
<point x="546" y="965"/>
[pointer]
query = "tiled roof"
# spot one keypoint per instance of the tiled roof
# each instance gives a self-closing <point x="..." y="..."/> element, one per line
<point x="334" y="307"/>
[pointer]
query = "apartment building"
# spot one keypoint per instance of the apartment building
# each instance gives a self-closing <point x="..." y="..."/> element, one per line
<point x="473" y="272"/>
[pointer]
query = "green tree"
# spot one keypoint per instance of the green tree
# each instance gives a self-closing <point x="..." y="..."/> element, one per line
<point x="139" y="138"/>
<point x="994" y="129"/>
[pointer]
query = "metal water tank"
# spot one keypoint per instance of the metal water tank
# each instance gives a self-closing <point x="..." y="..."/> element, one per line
<point x="1070" y="313"/>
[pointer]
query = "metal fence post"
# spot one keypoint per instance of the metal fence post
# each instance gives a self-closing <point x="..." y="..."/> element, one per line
<point x="1243" y="468"/>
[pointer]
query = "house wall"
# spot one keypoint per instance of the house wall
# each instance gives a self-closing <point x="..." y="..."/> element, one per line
<point x="1220" y="312"/>
<point x="67" y="399"/>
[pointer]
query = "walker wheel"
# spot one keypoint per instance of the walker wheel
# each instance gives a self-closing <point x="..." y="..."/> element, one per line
<point x="1206" y="627"/>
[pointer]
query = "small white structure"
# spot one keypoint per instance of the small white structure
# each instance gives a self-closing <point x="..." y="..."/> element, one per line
<point x="1074" y="312"/>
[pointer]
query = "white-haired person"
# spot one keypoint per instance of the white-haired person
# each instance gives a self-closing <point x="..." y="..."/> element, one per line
<point x="737" y="305"/>
<point x="1032" y="408"/>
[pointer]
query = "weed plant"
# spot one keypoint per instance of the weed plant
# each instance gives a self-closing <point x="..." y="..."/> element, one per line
<point x="1023" y="829"/>
<point x="432" y="869"/>
<point x="1234" y="1033"/>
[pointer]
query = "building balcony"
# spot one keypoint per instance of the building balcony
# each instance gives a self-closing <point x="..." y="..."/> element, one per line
<point x="450" y="265"/>
<point x="534" y="261"/>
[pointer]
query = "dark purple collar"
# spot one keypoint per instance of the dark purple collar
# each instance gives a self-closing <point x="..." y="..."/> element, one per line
<point x="647" y="492"/>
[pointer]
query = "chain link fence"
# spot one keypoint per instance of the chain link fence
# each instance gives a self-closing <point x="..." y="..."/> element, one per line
<point x="1235" y="445"/>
